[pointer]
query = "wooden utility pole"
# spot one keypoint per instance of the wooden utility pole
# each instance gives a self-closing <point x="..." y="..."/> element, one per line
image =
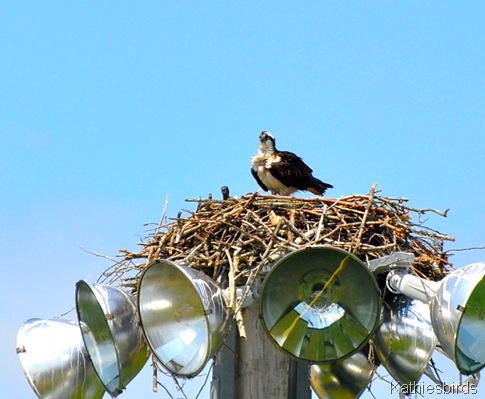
<point x="254" y="368"/>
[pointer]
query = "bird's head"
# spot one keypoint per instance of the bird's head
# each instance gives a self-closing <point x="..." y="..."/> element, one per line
<point x="267" y="142"/>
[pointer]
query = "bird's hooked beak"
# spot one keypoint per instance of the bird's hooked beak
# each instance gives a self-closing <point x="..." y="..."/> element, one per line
<point x="265" y="136"/>
<point x="266" y="143"/>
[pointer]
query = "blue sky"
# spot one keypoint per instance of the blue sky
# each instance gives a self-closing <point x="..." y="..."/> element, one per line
<point x="105" y="109"/>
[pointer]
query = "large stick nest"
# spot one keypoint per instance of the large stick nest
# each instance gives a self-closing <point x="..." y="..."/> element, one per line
<point x="238" y="236"/>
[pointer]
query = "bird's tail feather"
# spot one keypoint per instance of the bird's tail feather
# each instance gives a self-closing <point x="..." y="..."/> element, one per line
<point x="318" y="187"/>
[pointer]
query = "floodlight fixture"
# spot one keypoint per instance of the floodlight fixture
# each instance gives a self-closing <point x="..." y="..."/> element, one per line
<point x="55" y="361"/>
<point x="457" y="304"/>
<point x="112" y="333"/>
<point x="319" y="304"/>
<point x="458" y="317"/>
<point x="345" y="379"/>
<point x="183" y="314"/>
<point x="405" y="339"/>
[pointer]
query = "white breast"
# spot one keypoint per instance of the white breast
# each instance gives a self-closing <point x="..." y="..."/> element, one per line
<point x="262" y="165"/>
<point x="273" y="184"/>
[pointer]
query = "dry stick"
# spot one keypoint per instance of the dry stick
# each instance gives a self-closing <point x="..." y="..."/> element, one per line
<point x="232" y="281"/>
<point x="163" y="215"/>
<point x="233" y="299"/>
<point x="255" y="272"/>
<point x="364" y="218"/>
<point x="259" y="220"/>
<point x="248" y="201"/>
<point x="244" y="232"/>
<point x="390" y="202"/>
<point x="333" y="231"/>
<point x="320" y="224"/>
<point x="293" y="228"/>
<point x="240" y="323"/>
<point x="463" y="249"/>
<point x="427" y="233"/>
<point x="155" y="375"/>
<point x="227" y="210"/>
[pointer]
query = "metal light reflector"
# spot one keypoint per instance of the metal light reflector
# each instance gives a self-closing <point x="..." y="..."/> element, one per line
<point x="320" y="304"/>
<point x="458" y="317"/>
<point x="345" y="379"/>
<point x="55" y="362"/>
<point x="183" y="315"/>
<point x="112" y="334"/>
<point x="405" y="339"/>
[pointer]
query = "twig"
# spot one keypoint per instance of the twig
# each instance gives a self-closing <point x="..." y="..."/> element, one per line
<point x="364" y="218"/>
<point x="463" y="249"/>
<point x="163" y="216"/>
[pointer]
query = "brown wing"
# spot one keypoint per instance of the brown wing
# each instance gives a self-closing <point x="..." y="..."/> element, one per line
<point x="292" y="171"/>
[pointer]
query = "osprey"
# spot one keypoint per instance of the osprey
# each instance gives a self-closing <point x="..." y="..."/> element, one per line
<point x="283" y="172"/>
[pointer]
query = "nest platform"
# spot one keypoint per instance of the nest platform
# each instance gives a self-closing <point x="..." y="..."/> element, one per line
<point x="240" y="235"/>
